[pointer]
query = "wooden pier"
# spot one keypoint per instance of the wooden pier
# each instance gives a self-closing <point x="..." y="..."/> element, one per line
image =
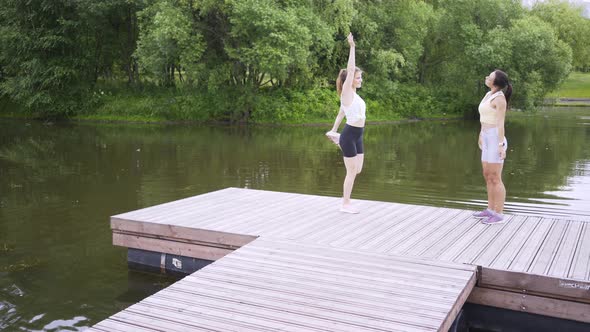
<point x="279" y="285"/>
<point x="282" y="258"/>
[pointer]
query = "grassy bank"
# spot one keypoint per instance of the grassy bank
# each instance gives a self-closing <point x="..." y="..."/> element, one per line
<point x="575" y="91"/>
<point x="278" y="106"/>
<point x="117" y="102"/>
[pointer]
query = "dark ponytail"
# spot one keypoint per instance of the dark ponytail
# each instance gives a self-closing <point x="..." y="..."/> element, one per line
<point x="501" y="81"/>
<point x="508" y="92"/>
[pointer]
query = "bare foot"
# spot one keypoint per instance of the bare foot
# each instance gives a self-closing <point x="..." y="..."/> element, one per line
<point x="348" y="208"/>
<point x="334" y="137"/>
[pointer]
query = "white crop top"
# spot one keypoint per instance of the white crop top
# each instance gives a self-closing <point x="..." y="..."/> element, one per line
<point x="356" y="110"/>
<point x="487" y="114"/>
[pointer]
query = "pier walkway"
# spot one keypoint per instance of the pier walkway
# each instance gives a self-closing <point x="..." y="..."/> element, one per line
<point x="273" y="285"/>
<point x="297" y="256"/>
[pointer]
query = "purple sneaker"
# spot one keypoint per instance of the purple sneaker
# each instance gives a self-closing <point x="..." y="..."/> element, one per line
<point x="494" y="219"/>
<point x="483" y="214"/>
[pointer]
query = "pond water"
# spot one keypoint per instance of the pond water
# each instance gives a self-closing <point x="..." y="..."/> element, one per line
<point x="59" y="183"/>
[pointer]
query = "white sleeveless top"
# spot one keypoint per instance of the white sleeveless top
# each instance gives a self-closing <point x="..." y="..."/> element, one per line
<point x="356" y="110"/>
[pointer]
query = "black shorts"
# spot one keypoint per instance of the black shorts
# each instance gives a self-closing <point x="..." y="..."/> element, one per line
<point x="351" y="141"/>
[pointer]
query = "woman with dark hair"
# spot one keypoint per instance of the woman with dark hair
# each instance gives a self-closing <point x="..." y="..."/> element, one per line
<point x="493" y="144"/>
<point x="351" y="139"/>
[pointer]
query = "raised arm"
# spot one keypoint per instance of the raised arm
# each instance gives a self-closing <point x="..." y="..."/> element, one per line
<point x="347" y="89"/>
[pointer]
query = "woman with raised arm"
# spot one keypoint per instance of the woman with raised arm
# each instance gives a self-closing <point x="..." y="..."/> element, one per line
<point x="351" y="139"/>
<point x="493" y="144"/>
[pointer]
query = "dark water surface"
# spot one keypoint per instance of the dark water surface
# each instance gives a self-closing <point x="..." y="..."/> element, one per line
<point x="59" y="184"/>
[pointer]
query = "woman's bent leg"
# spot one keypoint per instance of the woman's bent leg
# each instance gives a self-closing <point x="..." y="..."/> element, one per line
<point x="360" y="159"/>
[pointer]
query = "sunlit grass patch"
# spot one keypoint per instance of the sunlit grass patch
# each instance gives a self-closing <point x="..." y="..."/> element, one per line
<point x="576" y="86"/>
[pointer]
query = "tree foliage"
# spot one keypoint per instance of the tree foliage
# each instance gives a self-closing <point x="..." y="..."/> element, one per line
<point x="168" y="42"/>
<point x="44" y="67"/>
<point x="570" y="26"/>
<point x="419" y="55"/>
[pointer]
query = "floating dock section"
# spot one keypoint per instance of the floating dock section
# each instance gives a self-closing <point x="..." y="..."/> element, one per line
<point x="344" y="269"/>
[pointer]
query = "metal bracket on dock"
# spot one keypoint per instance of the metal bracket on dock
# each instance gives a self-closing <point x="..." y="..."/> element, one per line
<point x="163" y="263"/>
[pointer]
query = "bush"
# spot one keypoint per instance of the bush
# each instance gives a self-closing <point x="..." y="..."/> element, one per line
<point x="294" y="106"/>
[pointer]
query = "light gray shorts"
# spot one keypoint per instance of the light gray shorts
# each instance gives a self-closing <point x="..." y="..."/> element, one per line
<point x="490" y="148"/>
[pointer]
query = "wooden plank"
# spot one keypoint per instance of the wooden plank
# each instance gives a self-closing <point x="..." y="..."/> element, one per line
<point x="351" y="297"/>
<point x="495" y="246"/>
<point x="182" y="309"/>
<point x="580" y="268"/>
<point x="565" y="253"/>
<point x="374" y="224"/>
<point x="428" y="298"/>
<point x="392" y="298"/>
<point x="476" y="247"/>
<point x="389" y="220"/>
<point x="297" y="312"/>
<point x="346" y="225"/>
<point x="420" y="287"/>
<point x="298" y="272"/>
<point x="537" y="284"/>
<point x="314" y="251"/>
<point x="342" y="224"/>
<point x="531" y="304"/>
<point x="292" y="219"/>
<point x="393" y="266"/>
<point x="188" y="315"/>
<point x="163" y="323"/>
<point x="432" y="293"/>
<point x="169" y="247"/>
<point x="301" y="229"/>
<point x="308" y="320"/>
<point x="366" y="262"/>
<point x="546" y="254"/>
<point x="514" y="244"/>
<point x="473" y="235"/>
<point x="164" y="208"/>
<point x="111" y="325"/>
<point x="250" y="216"/>
<point x="433" y="232"/>
<point x="231" y="240"/>
<point x="458" y="305"/>
<point x="401" y="230"/>
<point x="389" y="318"/>
<point x="207" y="213"/>
<point x="526" y="255"/>
<point x="394" y="225"/>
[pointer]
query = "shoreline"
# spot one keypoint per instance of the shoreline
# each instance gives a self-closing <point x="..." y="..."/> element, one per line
<point x="567" y="102"/>
<point x="219" y="123"/>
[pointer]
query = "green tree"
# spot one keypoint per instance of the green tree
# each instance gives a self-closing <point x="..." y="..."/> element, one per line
<point x="53" y="52"/>
<point x="570" y="26"/>
<point x="539" y="61"/>
<point x="391" y="37"/>
<point x="458" y="42"/>
<point x="111" y="38"/>
<point x="45" y="68"/>
<point x="168" y="42"/>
